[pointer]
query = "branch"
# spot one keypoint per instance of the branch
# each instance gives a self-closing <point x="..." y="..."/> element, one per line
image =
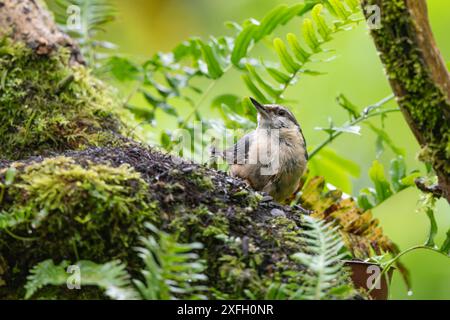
<point x="419" y="78"/>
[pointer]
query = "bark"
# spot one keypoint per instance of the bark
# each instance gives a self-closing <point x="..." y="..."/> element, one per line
<point x="419" y="78"/>
<point x="29" y="22"/>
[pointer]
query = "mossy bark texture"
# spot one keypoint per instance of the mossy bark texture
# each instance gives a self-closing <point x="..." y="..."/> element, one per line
<point x="419" y="78"/>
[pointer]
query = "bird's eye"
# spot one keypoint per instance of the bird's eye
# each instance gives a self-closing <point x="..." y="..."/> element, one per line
<point x="281" y="113"/>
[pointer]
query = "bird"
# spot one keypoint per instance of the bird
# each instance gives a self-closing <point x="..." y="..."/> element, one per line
<point x="272" y="158"/>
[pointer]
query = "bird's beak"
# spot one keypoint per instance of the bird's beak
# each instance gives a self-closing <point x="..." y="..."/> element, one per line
<point x="260" y="108"/>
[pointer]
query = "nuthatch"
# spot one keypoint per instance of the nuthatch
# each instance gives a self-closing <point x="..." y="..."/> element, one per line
<point x="272" y="158"/>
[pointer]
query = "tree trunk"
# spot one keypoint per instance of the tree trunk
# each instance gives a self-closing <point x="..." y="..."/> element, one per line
<point x="419" y="78"/>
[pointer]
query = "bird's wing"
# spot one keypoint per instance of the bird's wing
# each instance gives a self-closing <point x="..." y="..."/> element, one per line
<point x="238" y="154"/>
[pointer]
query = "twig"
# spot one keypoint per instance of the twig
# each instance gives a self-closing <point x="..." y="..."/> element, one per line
<point x="365" y="115"/>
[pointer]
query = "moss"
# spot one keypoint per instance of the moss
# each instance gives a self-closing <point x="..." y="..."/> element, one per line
<point x="48" y="105"/>
<point x="423" y="100"/>
<point x="63" y="210"/>
<point x="88" y="205"/>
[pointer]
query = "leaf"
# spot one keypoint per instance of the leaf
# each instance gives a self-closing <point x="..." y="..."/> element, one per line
<point x="10" y="176"/>
<point x="123" y="69"/>
<point x="446" y="245"/>
<point x="214" y="69"/>
<point x="254" y="89"/>
<point x="324" y="265"/>
<point x="242" y="43"/>
<point x="339" y="9"/>
<point x="309" y="34"/>
<point x="382" y="186"/>
<point x="348" y="105"/>
<point x="386" y="139"/>
<point x="364" y="199"/>
<point x="286" y="59"/>
<point x="320" y="22"/>
<point x="142" y="113"/>
<point x="301" y="54"/>
<point x="267" y="87"/>
<point x="111" y="276"/>
<point x="159" y="104"/>
<point x="433" y="228"/>
<point x="397" y="172"/>
<point x="343" y="163"/>
<point x="278" y="76"/>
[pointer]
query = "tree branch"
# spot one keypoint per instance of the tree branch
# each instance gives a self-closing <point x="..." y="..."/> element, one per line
<point x="419" y="78"/>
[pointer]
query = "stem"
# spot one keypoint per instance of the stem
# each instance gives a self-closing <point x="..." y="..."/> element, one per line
<point x="363" y="117"/>
<point x="389" y="264"/>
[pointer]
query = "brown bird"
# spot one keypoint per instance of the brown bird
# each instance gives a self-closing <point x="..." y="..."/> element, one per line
<point x="272" y="158"/>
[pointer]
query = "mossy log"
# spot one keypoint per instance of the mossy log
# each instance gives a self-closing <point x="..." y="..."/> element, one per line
<point x="73" y="187"/>
<point x="419" y="77"/>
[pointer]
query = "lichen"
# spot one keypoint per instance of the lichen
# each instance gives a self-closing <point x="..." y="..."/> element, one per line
<point x="48" y="105"/>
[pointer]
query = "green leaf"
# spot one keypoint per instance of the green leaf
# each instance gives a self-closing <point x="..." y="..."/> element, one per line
<point x="10" y="176"/>
<point x="123" y="69"/>
<point x="254" y="89"/>
<point x="214" y="69"/>
<point x="166" y="139"/>
<point x="111" y="276"/>
<point x="320" y="22"/>
<point x="286" y="59"/>
<point x="353" y="5"/>
<point x="364" y="199"/>
<point x="397" y="172"/>
<point x="410" y="180"/>
<point x="310" y="36"/>
<point x="344" y="164"/>
<point x="242" y="43"/>
<point x="278" y="76"/>
<point x="339" y="9"/>
<point x="433" y="228"/>
<point x="159" y="104"/>
<point x="142" y="113"/>
<point x="386" y="139"/>
<point x="301" y="54"/>
<point x="446" y="245"/>
<point x="382" y="186"/>
<point x="267" y="87"/>
<point x="348" y="105"/>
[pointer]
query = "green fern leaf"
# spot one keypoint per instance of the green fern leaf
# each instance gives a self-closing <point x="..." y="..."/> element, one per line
<point x="301" y="54"/>
<point x="273" y="92"/>
<point x="254" y="89"/>
<point x="323" y="262"/>
<point x="278" y="76"/>
<point x="286" y="59"/>
<point x="111" y="276"/>
<point x="320" y="22"/>
<point x="310" y="35"/>
<point x="214" y="69"/>
<point x="242" y="43"/>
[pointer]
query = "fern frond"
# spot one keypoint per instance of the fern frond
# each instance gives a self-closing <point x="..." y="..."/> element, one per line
<point x="294" y="56"/>
<point x="111" y="276"/>
<point x="210" y="59"/>
<point x="91" y="17"/>
<point x="325" y="271"/>
<point x="172" y="270"/>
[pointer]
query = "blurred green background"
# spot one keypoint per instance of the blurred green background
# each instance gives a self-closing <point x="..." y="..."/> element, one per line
<point x="147" y="26"/>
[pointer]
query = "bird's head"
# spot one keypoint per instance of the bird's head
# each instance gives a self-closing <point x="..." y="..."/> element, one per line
<point x="274" y="116"/>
